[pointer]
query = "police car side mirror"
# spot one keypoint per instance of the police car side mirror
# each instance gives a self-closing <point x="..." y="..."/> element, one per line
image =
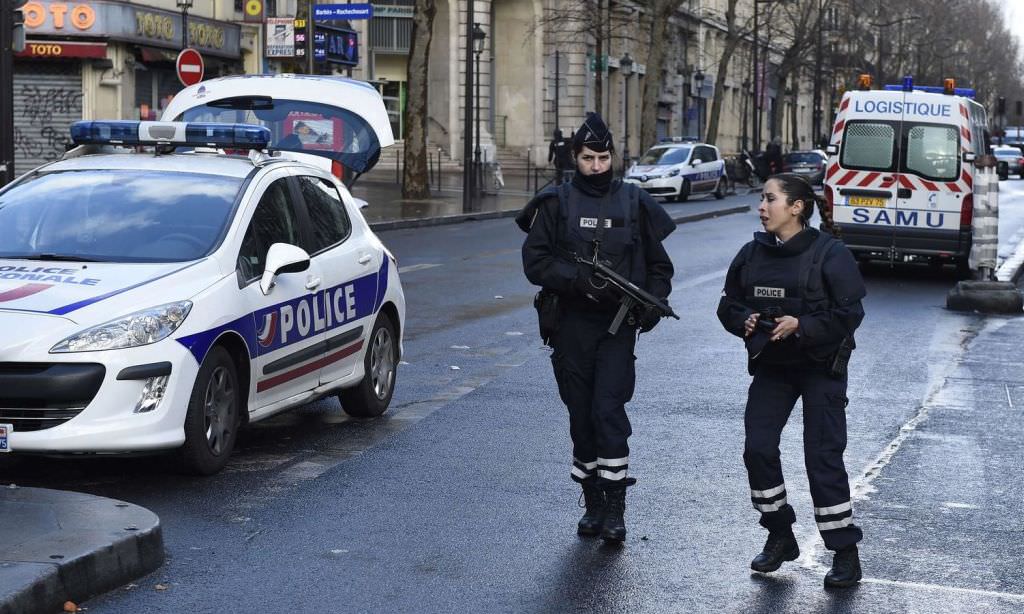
<point x="831" y="150"/>
<point x="969" y="157"/>
<point x="282" y="258"/>
<point x="696" y="162"/>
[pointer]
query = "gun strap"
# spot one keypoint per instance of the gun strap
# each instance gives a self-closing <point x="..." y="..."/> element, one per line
<point x="599" y="231"/>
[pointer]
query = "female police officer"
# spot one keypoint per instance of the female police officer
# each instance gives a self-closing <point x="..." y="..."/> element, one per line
<point x="794" y="294"/>
<point x="594" y="216"/>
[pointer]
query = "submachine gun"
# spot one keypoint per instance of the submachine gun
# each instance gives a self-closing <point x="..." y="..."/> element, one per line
<point x="632" y="296"/>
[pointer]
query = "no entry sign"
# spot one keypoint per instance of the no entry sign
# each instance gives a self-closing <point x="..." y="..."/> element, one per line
<point x="190" y="67"/>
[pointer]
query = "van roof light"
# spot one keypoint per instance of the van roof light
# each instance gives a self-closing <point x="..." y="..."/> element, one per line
<point x="864" y="81"/>
<point x="948" y="86"/>
<point x="194" y="134"/>
<point x="908" y="83"/>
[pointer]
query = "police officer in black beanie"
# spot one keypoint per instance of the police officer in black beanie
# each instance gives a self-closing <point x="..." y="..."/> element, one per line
<point x="594" y="216"/>
<point x="794" y="295"/>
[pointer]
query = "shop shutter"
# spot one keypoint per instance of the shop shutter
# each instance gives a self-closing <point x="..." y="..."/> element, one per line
<point x="47" y="99"/>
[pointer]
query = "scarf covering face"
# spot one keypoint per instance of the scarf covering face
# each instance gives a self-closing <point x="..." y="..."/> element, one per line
<point x="597" y="184"/>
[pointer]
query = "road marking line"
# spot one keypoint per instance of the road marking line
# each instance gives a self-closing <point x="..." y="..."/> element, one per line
<point x="416" y="267"/>
<point x="1008" y="399"/>
<point x="953" y="589"/>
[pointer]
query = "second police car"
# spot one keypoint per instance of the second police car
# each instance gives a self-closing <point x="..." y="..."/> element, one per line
<point x="676" y="170"/>
<point x="161" y="300"/>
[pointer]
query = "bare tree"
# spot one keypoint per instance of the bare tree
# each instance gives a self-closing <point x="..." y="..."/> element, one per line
<point x="415" y="181"/>
<point x="734" y="34"/>
<point x="797" y="21"/>
<point x="657" y="45"/>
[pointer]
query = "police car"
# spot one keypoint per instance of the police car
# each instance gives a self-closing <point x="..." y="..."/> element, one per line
<point x="161" y="300"/>
<point x="677" y="170"/>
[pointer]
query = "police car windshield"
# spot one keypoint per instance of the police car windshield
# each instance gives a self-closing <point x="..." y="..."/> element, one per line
<point x="116" y="215"/>
<point x="300" y="126"/>
<point x="665" y="155"/>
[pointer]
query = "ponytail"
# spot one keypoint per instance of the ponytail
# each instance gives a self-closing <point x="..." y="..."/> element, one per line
<point x="826" y="216"/>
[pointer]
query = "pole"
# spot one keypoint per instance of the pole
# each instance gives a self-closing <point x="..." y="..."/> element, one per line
<point x="557" y="67"/>
<point x="625" y="147"/>
<point x="467" y="114"/>
<point x="755" y="125"/>
<point x="6" y="95"/>
<point x="310" y="33"/>
<point x="184" y="27"/>
<point x="477" y="169"/>
<point x="816" y="118"/>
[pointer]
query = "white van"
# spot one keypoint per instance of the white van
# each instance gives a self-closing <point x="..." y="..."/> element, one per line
<point x="901" y="172"/>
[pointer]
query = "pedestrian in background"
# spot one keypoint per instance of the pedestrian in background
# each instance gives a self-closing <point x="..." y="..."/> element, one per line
<point x="794" y="295"/>
<point x="560" y="153"/>
<point x="594" y="216"/>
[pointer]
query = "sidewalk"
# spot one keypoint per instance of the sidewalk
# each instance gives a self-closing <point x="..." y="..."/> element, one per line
<point x="60" y="546"/>
<point x="387" y="209"/>
<point x="67" y="546"/>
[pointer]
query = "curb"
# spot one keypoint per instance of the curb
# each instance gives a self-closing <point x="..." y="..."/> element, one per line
<point x="98" y="545"/>
<point x="491" y="215"/>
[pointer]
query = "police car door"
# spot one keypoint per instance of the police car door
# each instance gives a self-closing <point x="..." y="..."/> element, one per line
<point x="288" y="335"/>
<point x="350" y="268"/>
<point x="930" y="191"/>
<point x="701" y="172"/>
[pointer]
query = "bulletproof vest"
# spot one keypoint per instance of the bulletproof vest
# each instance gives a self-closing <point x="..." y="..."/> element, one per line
<point x="786" y="285"/>
<point x="620" y="241"/>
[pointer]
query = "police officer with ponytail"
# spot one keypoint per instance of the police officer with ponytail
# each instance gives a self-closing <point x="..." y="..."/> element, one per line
<point x="595" y="216"/>
<point x="794" y="295"/>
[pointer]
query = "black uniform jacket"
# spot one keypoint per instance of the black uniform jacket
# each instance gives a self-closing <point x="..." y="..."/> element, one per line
<point x="823" y="326"/>
<point x="545" y="267"/>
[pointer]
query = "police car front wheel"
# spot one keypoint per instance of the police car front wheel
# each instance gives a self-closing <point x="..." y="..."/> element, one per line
<point x="371" y="396"/>
<point x="211" y="424"/>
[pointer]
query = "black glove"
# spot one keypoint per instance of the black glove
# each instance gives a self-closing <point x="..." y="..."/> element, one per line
<point x="649" y="317"/>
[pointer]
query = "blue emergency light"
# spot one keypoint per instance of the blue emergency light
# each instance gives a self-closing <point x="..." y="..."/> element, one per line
<point x="190" y="134"/>
<point x="908" y="86"/>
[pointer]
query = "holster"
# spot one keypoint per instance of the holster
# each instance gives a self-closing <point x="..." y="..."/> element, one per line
<point x="841" y="359"/>
<point x="549" y="312"/>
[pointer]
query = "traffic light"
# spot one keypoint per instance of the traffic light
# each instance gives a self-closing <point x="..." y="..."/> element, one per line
<point x="1001" y="106"/>
<point x="18" y="26"/>
<point x="1020" y="108"/>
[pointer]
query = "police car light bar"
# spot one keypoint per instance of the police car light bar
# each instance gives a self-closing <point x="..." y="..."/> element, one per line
<point x="193" y="134"/>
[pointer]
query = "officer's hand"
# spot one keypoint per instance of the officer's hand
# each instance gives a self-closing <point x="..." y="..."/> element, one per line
<point x="750" y="324"/>
<point x="649" y="318"/>
<point x="784" y="327"/>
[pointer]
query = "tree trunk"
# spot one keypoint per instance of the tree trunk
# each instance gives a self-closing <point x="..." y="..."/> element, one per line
<point x="599" y="51"/>
<point x="732" y="41"/>
<point x="415" y="181"/>
<point x="794" y="114"/>
<point x="663" y="11"/>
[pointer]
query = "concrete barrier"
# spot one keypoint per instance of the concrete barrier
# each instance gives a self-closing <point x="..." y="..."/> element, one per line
<point x="986" y="297"/>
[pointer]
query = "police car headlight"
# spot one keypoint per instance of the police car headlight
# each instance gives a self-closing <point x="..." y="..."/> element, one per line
<point x="673" y="173"/>
<point x="139" y="328"/>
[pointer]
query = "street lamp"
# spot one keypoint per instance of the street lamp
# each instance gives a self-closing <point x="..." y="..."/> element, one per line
<point x="479" y="40"/>
<point x="184" y="5"/>
<point x="698" y="78"/>
<point x="626" y="66"/>
<point x="746" y="101"/>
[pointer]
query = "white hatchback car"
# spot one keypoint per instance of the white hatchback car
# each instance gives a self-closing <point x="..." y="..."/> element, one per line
<point x="153" y="301"/>
<point x="677" y="171"/>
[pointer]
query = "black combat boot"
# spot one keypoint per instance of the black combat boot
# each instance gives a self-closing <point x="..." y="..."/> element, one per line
<point x="614" y="528"/>
<point x="845" y="570"/>
<point x="781" y="546"/>
<point x="593" y="496"/>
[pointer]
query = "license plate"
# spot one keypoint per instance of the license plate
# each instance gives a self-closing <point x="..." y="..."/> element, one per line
<point x="5" y="437"/>
<point x="866" y="201"/>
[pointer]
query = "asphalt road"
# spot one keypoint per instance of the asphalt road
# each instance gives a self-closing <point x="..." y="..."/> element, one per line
<point x="459" y="499"/>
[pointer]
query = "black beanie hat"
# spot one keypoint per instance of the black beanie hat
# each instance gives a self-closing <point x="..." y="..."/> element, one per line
<point x="594" y="134"/>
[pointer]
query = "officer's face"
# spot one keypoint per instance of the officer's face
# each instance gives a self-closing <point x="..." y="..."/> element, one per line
<point x="590" y="162"/>
<point x="778" y="215"/>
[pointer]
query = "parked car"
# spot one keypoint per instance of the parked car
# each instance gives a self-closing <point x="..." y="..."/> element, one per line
<point x="809" y="163"/>
<point x="675" y="171"/>
<point x="161" y="302"/>
<point x="1013" y="158"/>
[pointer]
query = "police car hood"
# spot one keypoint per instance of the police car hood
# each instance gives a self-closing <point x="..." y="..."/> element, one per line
<point x="651" y="169"/>
<point x="334" y="118"/>
<point x="94" y="292"/>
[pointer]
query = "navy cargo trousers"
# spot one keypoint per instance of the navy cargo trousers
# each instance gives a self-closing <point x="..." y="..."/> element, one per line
<point x="773" y="394"/>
